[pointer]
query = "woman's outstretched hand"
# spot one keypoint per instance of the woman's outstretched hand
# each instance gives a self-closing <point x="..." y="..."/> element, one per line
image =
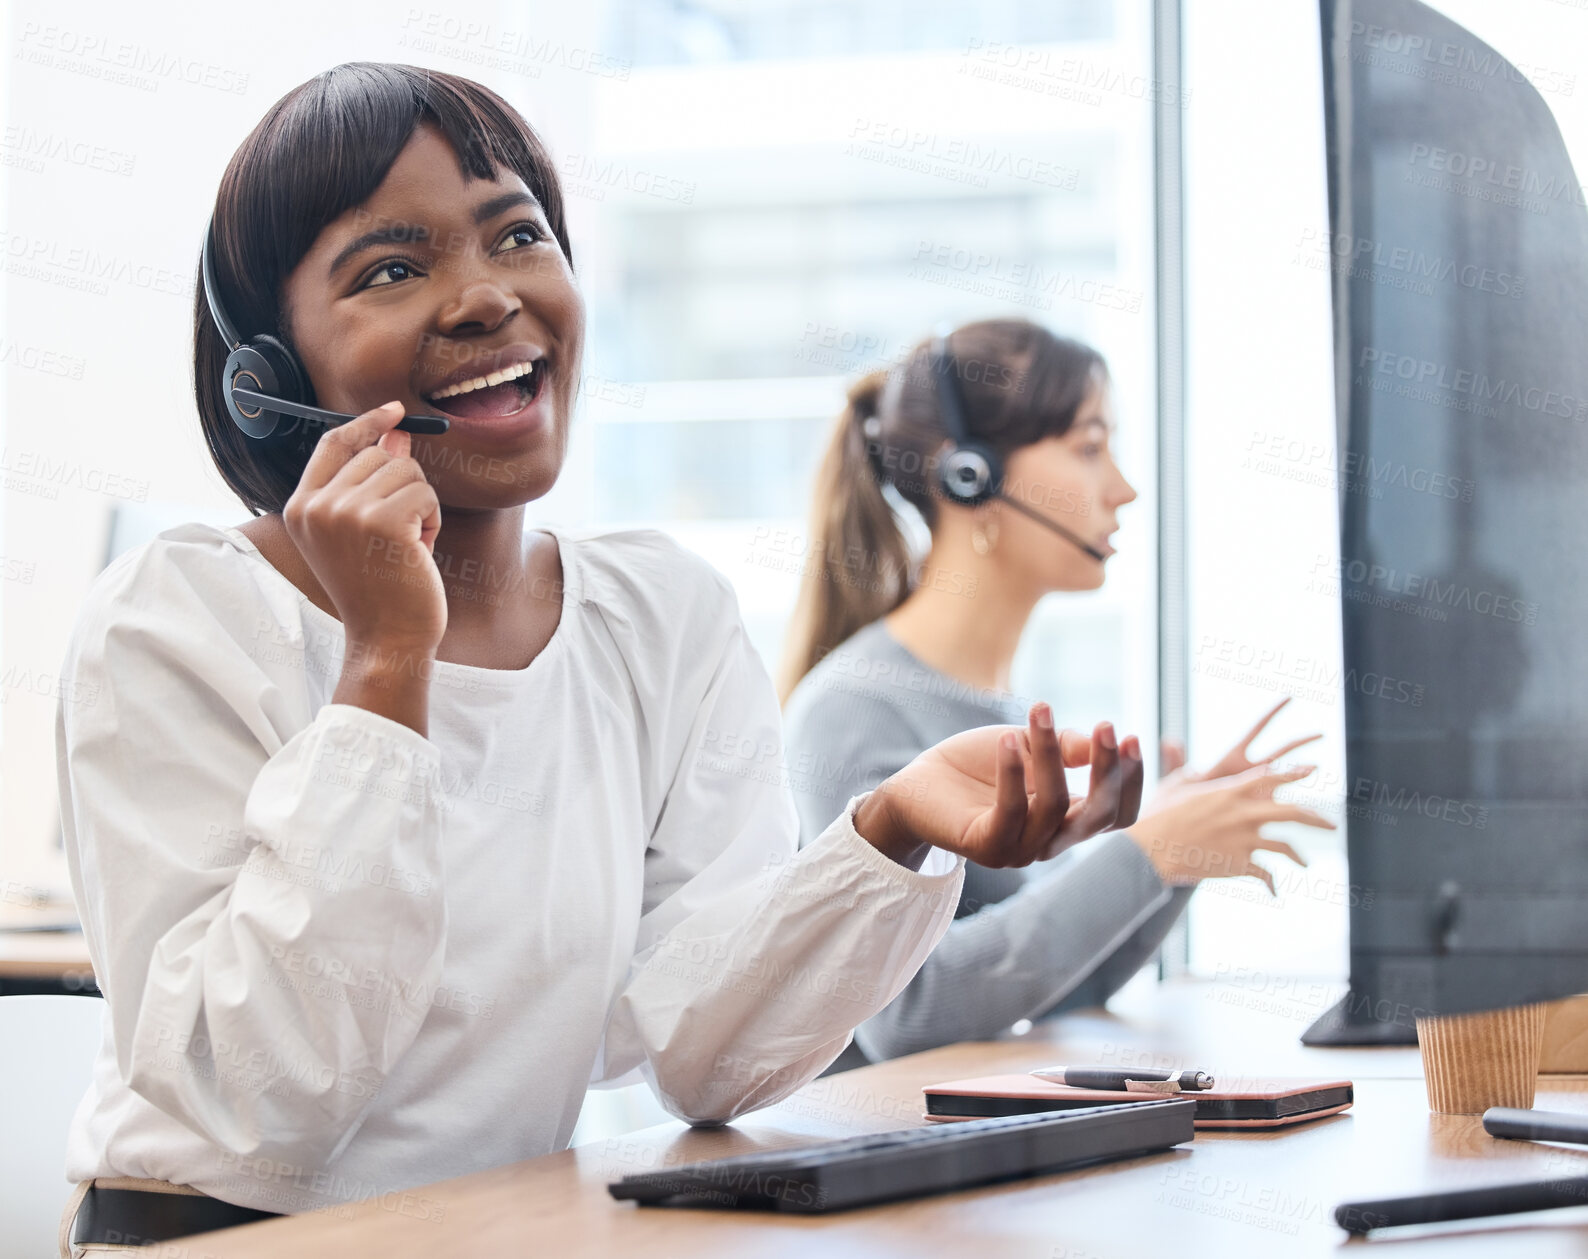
<point x="998" y="796"/>
<point x="1209" y="824"/>
<point x="1235" y="761"/>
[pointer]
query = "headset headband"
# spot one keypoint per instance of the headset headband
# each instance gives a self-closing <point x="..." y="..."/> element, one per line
<point x="951" y="402"/>
<point x="227" y="329"/>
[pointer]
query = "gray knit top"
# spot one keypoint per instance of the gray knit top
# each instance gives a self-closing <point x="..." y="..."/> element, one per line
<point x="1024" y="943"/>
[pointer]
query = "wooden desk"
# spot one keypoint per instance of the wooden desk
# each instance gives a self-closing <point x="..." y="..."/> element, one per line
<point x="45" y="955"/>
<point x="1225" y="1195"/>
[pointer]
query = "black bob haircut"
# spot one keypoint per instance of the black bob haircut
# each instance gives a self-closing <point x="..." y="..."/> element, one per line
<point x="322" y="149"/>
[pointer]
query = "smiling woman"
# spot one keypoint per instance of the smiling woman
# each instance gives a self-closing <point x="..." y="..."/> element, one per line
<point x="395" y="825"/>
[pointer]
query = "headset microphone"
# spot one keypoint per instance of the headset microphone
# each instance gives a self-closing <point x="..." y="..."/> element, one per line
<point x="973" y="472"/>
<point x="264" y="380"/>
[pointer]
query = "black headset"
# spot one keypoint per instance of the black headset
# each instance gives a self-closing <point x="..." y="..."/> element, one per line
<point x="973" y="472"/>
<point x="263" y="380"/>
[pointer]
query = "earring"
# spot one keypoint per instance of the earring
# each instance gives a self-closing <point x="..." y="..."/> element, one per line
<point x="984" y="537"/>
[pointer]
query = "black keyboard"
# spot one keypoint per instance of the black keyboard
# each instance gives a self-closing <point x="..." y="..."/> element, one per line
<point x="882" y="1167"/>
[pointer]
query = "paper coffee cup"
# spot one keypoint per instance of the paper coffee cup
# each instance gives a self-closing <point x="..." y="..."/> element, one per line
<point x="1474" y="1061"/>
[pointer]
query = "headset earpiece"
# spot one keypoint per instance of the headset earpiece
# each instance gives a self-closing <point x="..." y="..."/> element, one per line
<point x="264" y="364"/>
<point x="971" y="472"/>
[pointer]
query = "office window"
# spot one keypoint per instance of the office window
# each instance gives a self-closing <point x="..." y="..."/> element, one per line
<point x="884" y="167"/>
<point x="670" y="32"/>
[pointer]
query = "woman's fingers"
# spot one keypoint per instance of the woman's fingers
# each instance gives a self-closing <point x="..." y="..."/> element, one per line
<point x="396" y="443"/>
<point x="1103" y="788"/>
<point x="336" y="447"/>
<point x="1292" y="746"/>
<point x="1251" y="735"/>
<point x="1281" y="847"/>
<point x="1052" y="793"/>
<point x="1261" y="781"/>
<point x="1009" y="791"/>
<point x="1281" y="812"/>
<point x="1267" y="876"/>
<point x="1075" y="748"/>
<point x="416" y="500"/>
<point x="1131" y="786"/>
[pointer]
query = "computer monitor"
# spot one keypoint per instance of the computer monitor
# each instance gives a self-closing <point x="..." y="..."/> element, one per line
<point x="1458" y="246"/>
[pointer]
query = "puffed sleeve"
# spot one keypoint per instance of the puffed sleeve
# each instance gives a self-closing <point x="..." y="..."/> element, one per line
<point x="756" y="958"/>
<point x="260" y="887"/>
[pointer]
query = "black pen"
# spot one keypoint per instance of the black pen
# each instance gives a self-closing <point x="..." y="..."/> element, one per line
<point x="1121" y="1081"/>
<point x="1462" y="1204"/>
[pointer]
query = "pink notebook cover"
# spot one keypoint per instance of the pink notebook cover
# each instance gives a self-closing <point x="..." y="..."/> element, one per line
<point x="1247" y="1089"/>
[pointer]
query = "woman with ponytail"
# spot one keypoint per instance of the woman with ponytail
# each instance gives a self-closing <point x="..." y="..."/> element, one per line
<point x="885" y="658"/>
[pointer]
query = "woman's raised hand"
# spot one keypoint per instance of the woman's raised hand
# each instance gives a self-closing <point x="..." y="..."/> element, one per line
<point x="1208" y="825"/>
<point x="1212" y="827"/>
<point x="1235" y="761"/>
<point x="997" y="794"/>
<point x="365" y="520"/>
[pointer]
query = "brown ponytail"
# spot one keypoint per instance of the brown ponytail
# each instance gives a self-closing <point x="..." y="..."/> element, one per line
<point x="858" y="562"/>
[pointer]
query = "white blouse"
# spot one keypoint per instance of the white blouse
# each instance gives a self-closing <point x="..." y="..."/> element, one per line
<point x="342" y="959"/>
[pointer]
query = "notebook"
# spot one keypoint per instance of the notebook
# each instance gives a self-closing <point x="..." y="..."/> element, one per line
<point x="1252" y="1102"/>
